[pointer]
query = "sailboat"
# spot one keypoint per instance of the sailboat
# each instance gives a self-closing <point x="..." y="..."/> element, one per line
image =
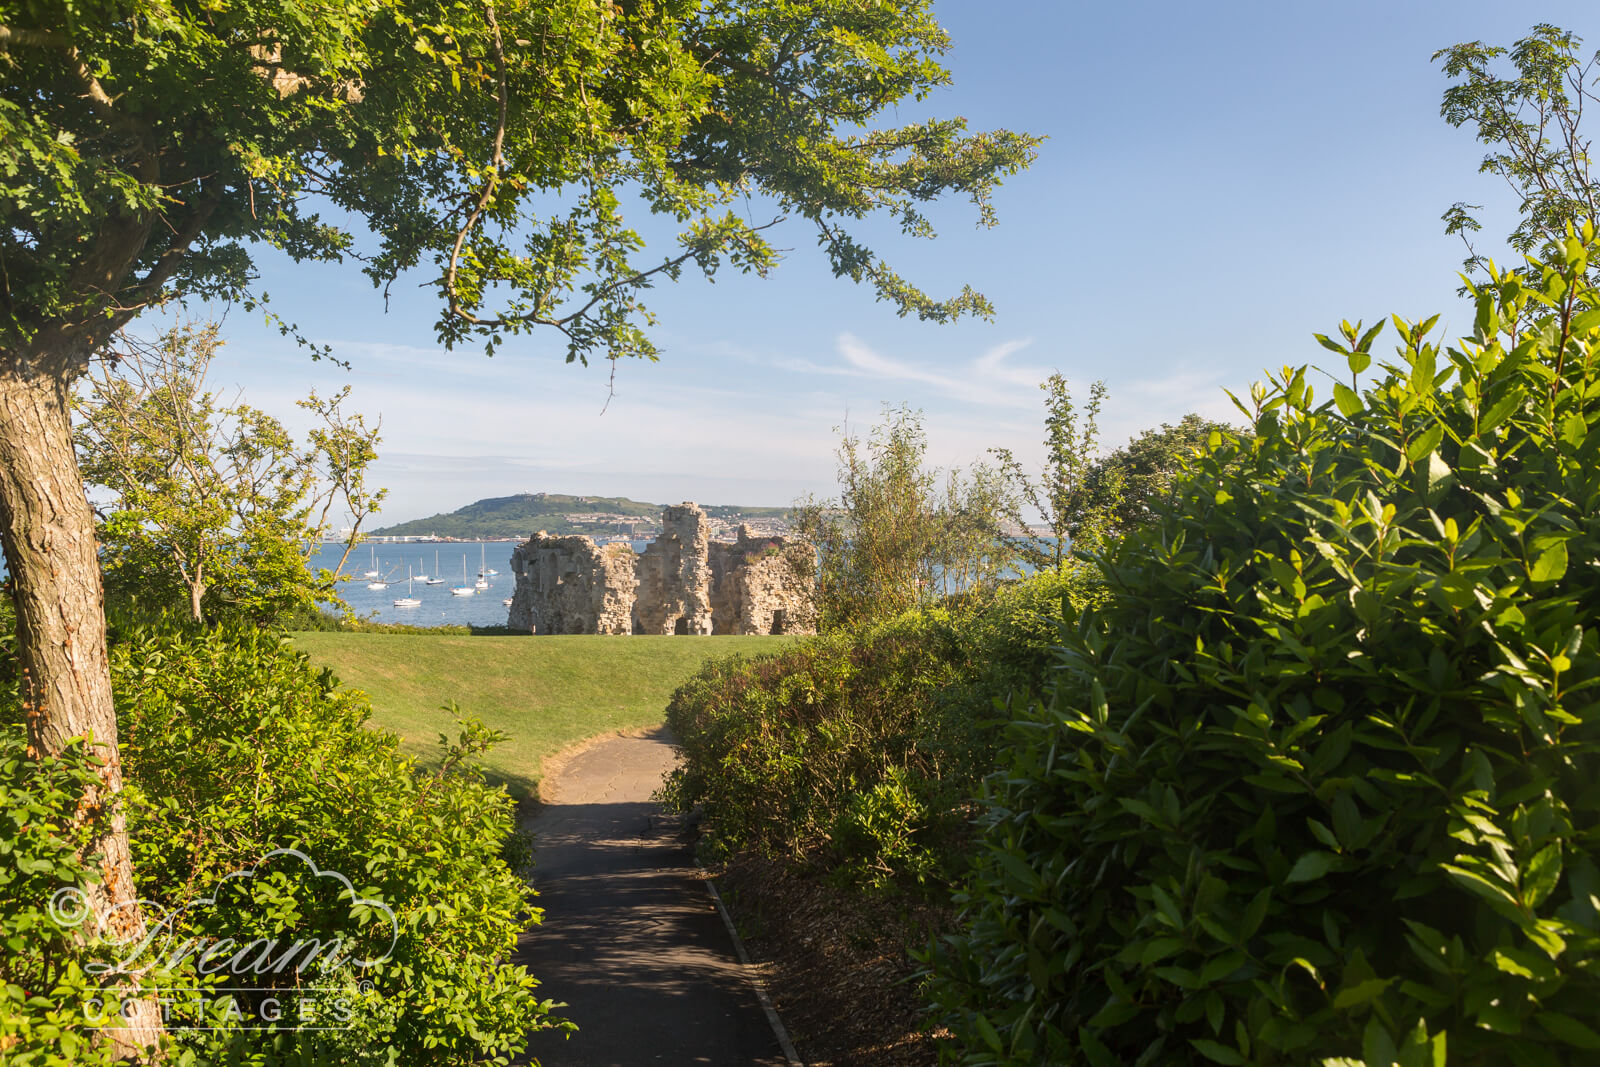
<point x="377" y="582"/>
<point x="432" y="581"/>
<point x="408" y="601"/>
<point x="463" y="589"/>
<point x="373" y="573"/>
<point x="483" y="581"/>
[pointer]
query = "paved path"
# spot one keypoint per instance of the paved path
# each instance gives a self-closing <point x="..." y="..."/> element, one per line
<point x="630" y="938"/>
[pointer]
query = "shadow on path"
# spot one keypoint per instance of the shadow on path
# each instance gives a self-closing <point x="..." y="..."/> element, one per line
<point x="630" y="938"/>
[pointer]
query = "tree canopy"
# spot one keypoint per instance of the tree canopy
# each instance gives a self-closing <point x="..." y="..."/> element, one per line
<point x="145" y="148"/>
<point x="1530" y="116"/>
<point x="212" y="503"/>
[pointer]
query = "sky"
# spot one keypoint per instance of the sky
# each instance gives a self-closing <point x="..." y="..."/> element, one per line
<point x="1219" y="182"/>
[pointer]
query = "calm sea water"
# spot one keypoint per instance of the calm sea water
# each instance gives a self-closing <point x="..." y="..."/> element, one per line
<point x="439" y="606"/>
<point x="486" y="607"/>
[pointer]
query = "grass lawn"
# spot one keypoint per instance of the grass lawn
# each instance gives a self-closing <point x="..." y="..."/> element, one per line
<point x="546" y="692"/>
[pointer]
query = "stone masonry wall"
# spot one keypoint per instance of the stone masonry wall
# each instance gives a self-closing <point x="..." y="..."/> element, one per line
<point x="763" y="585"/>
<point x="682" y="583"/>
<point x="570" y="585"/>
<point x="675" y="576"/>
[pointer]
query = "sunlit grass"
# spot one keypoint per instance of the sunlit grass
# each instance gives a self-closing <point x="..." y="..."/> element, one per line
<point x="545" y="692"/>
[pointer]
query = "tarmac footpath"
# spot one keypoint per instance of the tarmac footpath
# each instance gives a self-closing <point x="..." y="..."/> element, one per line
<point x="631" y="939"/>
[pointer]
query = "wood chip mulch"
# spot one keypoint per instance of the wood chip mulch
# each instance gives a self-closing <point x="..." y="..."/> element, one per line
<point x="835" y="963"/>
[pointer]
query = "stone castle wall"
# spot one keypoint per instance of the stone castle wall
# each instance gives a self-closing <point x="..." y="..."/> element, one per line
<point x="763" y="585"/>
<point x="675" y="576"/>
<point x="570" y="585"/>
<point x="683" y="583"/>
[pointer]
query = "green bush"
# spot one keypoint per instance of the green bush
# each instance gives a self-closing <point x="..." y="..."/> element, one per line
<point x="234" y="746"/>
<point x="1320" y="781"/>
<point x="43" y="986"/>
<point x="859" y="750"/>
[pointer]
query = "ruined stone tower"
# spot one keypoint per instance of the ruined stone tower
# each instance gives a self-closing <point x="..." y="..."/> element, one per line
<point x="683" y="583"/>
<point x="674" y="593"/>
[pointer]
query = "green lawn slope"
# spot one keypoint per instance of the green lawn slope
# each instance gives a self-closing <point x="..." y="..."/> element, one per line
<point x="546" y="692"/>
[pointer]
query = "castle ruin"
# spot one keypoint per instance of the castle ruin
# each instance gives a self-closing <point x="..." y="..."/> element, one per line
<point x="682" y="583"/>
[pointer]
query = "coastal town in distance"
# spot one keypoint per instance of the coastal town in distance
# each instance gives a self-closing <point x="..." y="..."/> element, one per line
<point x="605" y="519"/>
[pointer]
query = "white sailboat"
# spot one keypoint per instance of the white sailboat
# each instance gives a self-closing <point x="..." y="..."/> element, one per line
<point x="373" y="573"/>
<point x="433" y="581"/>
<point x="408" y="601"/>
<point x="483" y="575"/>
<point x="463" y="589"/>
<point x="377" y="582"/>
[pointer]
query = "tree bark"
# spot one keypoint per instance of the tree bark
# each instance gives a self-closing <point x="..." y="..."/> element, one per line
<point x="48" y="533"/>
<point x="197" y="592"/>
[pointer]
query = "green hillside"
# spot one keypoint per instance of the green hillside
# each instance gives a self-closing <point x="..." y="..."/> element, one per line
<point x="521" y="515"/>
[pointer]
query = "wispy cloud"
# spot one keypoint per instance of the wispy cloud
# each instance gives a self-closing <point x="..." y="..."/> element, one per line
<point x="986" y="380"/>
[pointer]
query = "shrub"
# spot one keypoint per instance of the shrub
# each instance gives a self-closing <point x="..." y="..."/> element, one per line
<point x="44" y="989"/>
<point x="859" y="750"/>
<point x="1318" y="782"/>
<point x="233" y="747"/>
<point x="896" y="539"/>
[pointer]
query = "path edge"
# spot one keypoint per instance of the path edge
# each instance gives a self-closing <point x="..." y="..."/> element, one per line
<point x="778" y="1029"/>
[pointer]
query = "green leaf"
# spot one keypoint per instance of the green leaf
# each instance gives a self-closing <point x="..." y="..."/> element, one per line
<point x="1436" y="476"/>
<point x="1377" y="1047"/>
<point x="1499" y="411"/>
<point x="1254" y="914"/>
<point x="1348" y="401"/>
<point x="1311" y="866"/>
<point x="1493" y="892"/>
<point x="1215" y="1052"/>
<point x="1115" y="1013"/>
<point x="1425" y="442"/>
<point x="1567" y="1029"/>
<point x="1215" y="970"/>
<point x="986" y="1030"/>
<point x="1584" y="321"/>
<point x="1097" y="1053"/>
<point x="1541" y="875"/>
<point x="1361" y="993"/>
<point x="1551" y="564"/>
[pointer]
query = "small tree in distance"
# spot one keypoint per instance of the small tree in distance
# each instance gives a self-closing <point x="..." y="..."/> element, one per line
<point x="214" y="505"/>
<point x="1132" y="482"/>
<point x="1070" y="503"/>
<point x="1083" y="497"/>
<point x="895" y="539"/>
<point x="1532" y="123"/>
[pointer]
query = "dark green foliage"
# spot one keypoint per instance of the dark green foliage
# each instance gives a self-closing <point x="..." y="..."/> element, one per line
<point x="858" y="750"/>
<point x="42" y="982"/>
<point x="1321" y="779"/>
<point x="1134" y="480"/>
<point x="233" y="746"/>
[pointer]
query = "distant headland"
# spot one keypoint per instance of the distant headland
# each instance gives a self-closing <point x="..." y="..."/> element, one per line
<point x="600" y="517"/>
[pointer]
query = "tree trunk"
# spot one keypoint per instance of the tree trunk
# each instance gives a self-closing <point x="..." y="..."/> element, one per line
<point x="197" y="592"/>
<point x="48" y="533"/>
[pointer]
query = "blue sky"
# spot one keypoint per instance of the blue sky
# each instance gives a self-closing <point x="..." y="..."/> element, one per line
<point x="1219" y="182"/>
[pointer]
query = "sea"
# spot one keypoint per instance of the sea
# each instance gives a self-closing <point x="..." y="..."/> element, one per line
<point x="457" y="562"/>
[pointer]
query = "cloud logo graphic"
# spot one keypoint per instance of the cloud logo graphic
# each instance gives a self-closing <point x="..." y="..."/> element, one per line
<point x="162" y="943"/>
